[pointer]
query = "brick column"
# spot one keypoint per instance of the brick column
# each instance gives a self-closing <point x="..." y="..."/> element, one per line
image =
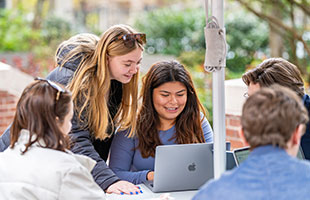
<point x="7" y="109"/>
<point x="232" y="127"/>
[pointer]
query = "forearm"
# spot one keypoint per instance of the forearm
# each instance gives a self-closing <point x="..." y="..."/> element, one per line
<point x="5" y="139"/>
<point x="133" y="177"/>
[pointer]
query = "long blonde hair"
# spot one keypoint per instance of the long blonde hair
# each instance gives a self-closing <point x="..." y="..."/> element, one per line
<point x="90" y="86"/>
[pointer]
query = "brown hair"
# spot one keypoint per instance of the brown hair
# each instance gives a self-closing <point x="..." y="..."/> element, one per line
<point x="91" y="84"/>
<point x="36" y="111"/>
<point x="188" y="123"/>
<point x="276" y="70"/>
<point x="271" y="115"/>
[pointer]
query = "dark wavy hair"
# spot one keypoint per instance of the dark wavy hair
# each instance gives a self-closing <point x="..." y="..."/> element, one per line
<point x="36" y="111"/>
<point x="188" y="123"/>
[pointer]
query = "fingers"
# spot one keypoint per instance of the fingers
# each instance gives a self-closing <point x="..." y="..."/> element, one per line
<point x="124" y="187"/>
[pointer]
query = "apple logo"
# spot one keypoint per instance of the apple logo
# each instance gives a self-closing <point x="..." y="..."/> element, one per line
<point x="192" y="167"/>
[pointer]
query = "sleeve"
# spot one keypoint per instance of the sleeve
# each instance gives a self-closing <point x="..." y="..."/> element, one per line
<point x="102" y="174"/>
<point x="78" y="183"/>
<point x="121" y="159"/>
<point x="5" y="139"/>
<point x="207" y="130"/>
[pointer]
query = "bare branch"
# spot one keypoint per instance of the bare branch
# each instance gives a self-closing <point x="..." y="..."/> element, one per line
<point x="277" y="22"/>
<point x="304" y="6"/>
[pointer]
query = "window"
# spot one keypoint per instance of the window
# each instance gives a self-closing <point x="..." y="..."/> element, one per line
<point x="2" y="3"/>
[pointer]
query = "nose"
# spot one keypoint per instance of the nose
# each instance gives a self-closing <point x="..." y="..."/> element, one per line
<point x="173" y="99"/>
<point x="134" y="69"/>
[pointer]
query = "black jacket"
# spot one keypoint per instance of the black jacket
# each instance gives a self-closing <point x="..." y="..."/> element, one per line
<point x="84" y="143"/>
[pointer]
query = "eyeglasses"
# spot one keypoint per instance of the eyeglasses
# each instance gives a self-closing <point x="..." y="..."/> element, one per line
<point x="53" y="85"/>
<point x="131" y="38"/>
<point x="246" y="95"/>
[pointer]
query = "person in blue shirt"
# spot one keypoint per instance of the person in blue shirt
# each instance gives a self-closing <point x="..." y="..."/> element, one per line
<point x="273" y="122"/>
<point x="171" y="113"/>
<point x="282" y="72"/>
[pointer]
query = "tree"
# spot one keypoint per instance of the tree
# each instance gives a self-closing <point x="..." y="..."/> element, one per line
<point x="38" y="14"/>
<point x="291" y="25"/>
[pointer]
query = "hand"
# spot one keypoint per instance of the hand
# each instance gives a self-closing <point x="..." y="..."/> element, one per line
<point x="123" y="187"/>
<point x="150" y="176"/>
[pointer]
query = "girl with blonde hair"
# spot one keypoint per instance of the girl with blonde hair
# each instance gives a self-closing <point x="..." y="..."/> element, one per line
<point x="102" y="74"/>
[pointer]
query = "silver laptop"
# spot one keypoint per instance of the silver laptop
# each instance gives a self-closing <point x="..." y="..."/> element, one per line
<point x="182" y="167"/>
<point x="242" y="154"/>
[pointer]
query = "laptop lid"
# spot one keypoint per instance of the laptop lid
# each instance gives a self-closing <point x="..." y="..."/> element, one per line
<point x="182" y="167"/>
<point x="241" y="154"/>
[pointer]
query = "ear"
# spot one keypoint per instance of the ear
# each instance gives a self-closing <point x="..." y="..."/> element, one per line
<point x="57" y="119"/>
<point x="241" y="135"/>
<point x="295" y="139"/>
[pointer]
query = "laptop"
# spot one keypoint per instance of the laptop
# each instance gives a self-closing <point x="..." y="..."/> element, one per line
<point x="242" y="154"/>
<point x="182" y="167"/>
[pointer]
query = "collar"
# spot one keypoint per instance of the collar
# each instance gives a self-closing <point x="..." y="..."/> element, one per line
<point x="267" y="149"/>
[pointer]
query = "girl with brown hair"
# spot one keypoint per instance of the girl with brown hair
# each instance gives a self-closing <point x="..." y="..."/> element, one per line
<point x="102" y="74"/>
<point x="38" y="165"/>
<point x="171" y="113"/>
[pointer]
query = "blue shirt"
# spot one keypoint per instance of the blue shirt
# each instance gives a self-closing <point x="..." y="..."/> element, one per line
<point x="268" y="173"/>
<point x="128" y="163"/>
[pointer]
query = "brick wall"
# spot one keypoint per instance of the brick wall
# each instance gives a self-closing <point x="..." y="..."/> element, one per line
<point x="232" y="127"/>
<point x="26" y="62"/>
<point x="7" y="109"/>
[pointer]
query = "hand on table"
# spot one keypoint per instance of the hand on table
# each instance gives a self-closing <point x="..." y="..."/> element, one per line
<point x="123" y="187"/>
<point x="150" y="176"/>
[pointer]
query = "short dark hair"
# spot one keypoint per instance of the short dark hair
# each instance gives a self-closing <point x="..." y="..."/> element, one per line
<point x="37" y="110"/>
<point x="276" y="70"/>
<point x="271" y="115"/>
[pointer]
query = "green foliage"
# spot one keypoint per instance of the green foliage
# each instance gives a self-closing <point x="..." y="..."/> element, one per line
<point x="247" y="39"/>
<point x="181" y="33"/>
<point x="172" y="31"/>
<point x="55" y="28"/>
<point x="16" y="33"/>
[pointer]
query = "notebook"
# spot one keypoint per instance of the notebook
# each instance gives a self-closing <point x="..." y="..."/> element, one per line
<point x="182" y="167"/>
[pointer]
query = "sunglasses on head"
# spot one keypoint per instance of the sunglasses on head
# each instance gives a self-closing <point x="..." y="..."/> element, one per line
<point x="53" y="85"/>
<point x="131" y="38"/>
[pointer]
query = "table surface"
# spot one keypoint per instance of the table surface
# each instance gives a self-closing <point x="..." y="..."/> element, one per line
<point x="148" y="195"/>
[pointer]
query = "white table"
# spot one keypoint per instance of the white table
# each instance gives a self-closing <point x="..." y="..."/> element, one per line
<point x="148" y="194"/>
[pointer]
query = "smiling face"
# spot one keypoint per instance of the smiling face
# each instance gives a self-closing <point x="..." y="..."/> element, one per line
<point x="123" y="68"/>
<point x="169" y="100"/>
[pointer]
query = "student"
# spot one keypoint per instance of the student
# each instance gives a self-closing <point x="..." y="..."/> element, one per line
<point x="171" y="113"/>
<point x="273" y="121"/>
<point x="282" y="72"/>
<point x="38" y="165"/>
<point x="103" y="77"/>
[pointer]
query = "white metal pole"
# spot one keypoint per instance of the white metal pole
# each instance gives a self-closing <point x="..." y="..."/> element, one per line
<point x="218" y="98"/>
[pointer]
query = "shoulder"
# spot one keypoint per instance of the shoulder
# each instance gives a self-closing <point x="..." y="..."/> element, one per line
<point x="122" y="137"/>
<point x="60" y="75"/>
<point x="300" y="166"/>
<point x="216" y="189"/>
<point x="306" y="100"/>
<point x="59" y="160"/>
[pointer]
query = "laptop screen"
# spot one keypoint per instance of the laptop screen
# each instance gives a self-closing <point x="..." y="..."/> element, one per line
<point x="242" y="154"/>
